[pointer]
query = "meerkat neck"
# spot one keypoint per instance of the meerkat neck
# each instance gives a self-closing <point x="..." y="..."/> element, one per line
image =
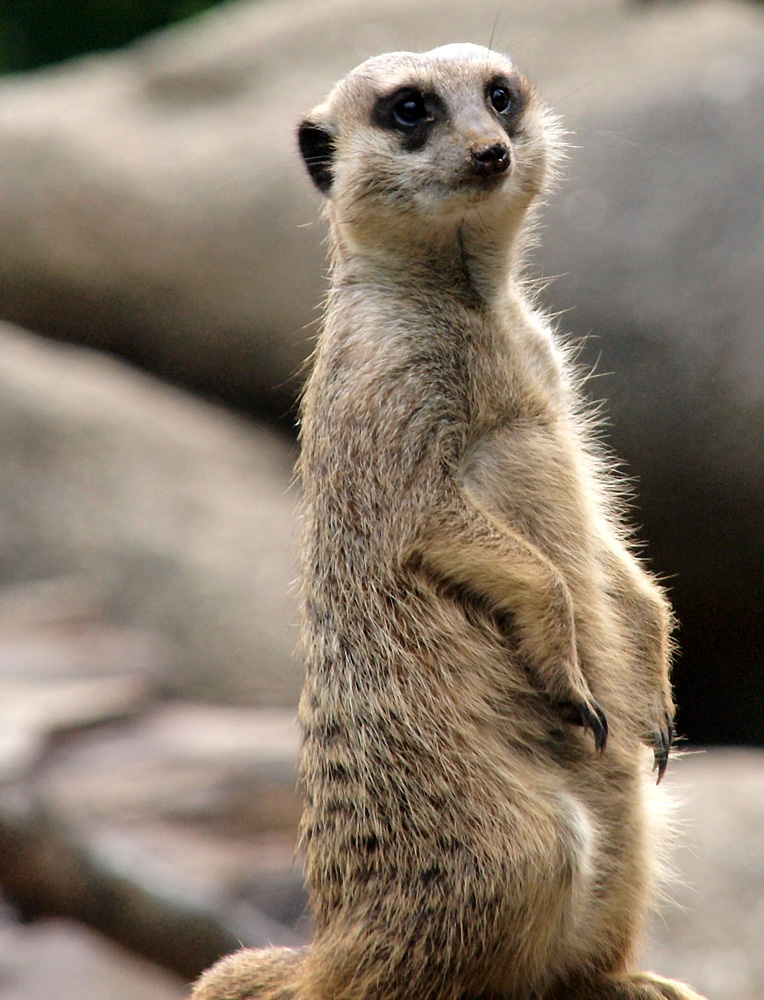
<point x="464" y="259"/>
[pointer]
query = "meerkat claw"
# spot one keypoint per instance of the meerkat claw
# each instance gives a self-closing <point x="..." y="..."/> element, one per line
<point x="590" y="716"/>
<point x="598" y="726"/>
<point x="662" y="741"/>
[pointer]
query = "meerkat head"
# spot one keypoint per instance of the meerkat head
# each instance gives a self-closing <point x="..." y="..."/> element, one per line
<point x="425" y="139"/>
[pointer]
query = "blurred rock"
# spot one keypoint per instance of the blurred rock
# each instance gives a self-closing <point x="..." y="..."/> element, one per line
<point x="711" y="934"/>
<point x="137" y="830"/>
<point x="153" y="202"/>
<point x="30" y="711"/>
<point x="64" y="960"/>
<point x="200" y="802"/>
<point x="175" y="513"/>
<point x="224" y="768"/>
<point x="658" y="238"/>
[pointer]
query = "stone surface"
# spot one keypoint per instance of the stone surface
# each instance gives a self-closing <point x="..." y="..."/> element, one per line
<point x="175" y="514"/>
<point x="172" y="832"/>
<point x="711" y="934"/>
<point x="153" y="205"/>
<point x="64" y="960"/>
<point x="150" y="821"/>
<point x="153" y="202"/>
<point x="658" y="237"/>
<point x="225" y="767"/>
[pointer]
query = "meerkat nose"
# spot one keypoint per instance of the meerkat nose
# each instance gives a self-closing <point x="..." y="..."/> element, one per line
<point x="490" y="160"/>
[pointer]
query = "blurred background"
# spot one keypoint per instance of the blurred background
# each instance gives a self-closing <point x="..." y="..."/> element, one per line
<point x="161" y="265"/>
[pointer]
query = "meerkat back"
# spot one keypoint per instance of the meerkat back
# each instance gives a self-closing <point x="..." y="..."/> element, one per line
<point x="487" y="664"/>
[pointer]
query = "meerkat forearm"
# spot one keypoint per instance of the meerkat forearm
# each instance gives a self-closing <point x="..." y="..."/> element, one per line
<point x="646" y="604"/>
<point x="473" y="550"/>
<point x="643" y="604"/>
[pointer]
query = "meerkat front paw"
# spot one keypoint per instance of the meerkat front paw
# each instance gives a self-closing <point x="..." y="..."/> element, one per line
<point x="565" y="685"/>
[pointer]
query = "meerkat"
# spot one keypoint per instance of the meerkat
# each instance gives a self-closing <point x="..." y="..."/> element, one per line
<point x="487" y="661"/>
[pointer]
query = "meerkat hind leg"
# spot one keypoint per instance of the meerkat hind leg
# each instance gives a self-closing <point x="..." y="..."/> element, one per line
<point x="252" y="974"/>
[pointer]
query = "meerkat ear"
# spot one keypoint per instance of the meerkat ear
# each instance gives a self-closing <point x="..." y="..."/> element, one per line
<point x="317" y="147"/>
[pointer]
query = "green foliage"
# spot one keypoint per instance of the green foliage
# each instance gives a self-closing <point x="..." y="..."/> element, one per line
<point x="36" y="32"/>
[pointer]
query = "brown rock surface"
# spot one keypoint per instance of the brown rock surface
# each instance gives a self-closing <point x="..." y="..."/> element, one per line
<point x="152" y="200"/>
<point x="174" y="515"/>
<point x="172" y="832"/>
<point x="228" y="769"/>
<point x="176" y="816"/>
<point x="59" y="960"/>
<point x="712" y="935"/>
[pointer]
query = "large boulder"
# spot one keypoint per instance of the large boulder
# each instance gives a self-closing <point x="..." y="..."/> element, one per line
<point x="658" y="238"/>
<point x="176" y="514"/>
<point x="61" y="959"/>
<point x="711" y="927"/>
<point x="206" y="797"/>
<point x="153" y="204"/>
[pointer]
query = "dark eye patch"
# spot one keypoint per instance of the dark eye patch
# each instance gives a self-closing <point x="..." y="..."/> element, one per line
<point x="508" y="98"/>
<point x="411" y="113"/>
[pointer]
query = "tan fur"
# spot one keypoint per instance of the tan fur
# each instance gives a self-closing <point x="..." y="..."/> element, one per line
<point x="468" y="590"/>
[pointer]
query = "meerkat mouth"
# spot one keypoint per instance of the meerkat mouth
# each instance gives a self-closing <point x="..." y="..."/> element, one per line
<point x="478" y="186"/>
<point x="463" y="192"/>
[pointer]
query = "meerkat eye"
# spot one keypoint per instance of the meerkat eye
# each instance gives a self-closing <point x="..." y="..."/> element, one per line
<point x="410" y="113"/>
<point x="409" y="109"/>
<point x="501" y="99"/>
